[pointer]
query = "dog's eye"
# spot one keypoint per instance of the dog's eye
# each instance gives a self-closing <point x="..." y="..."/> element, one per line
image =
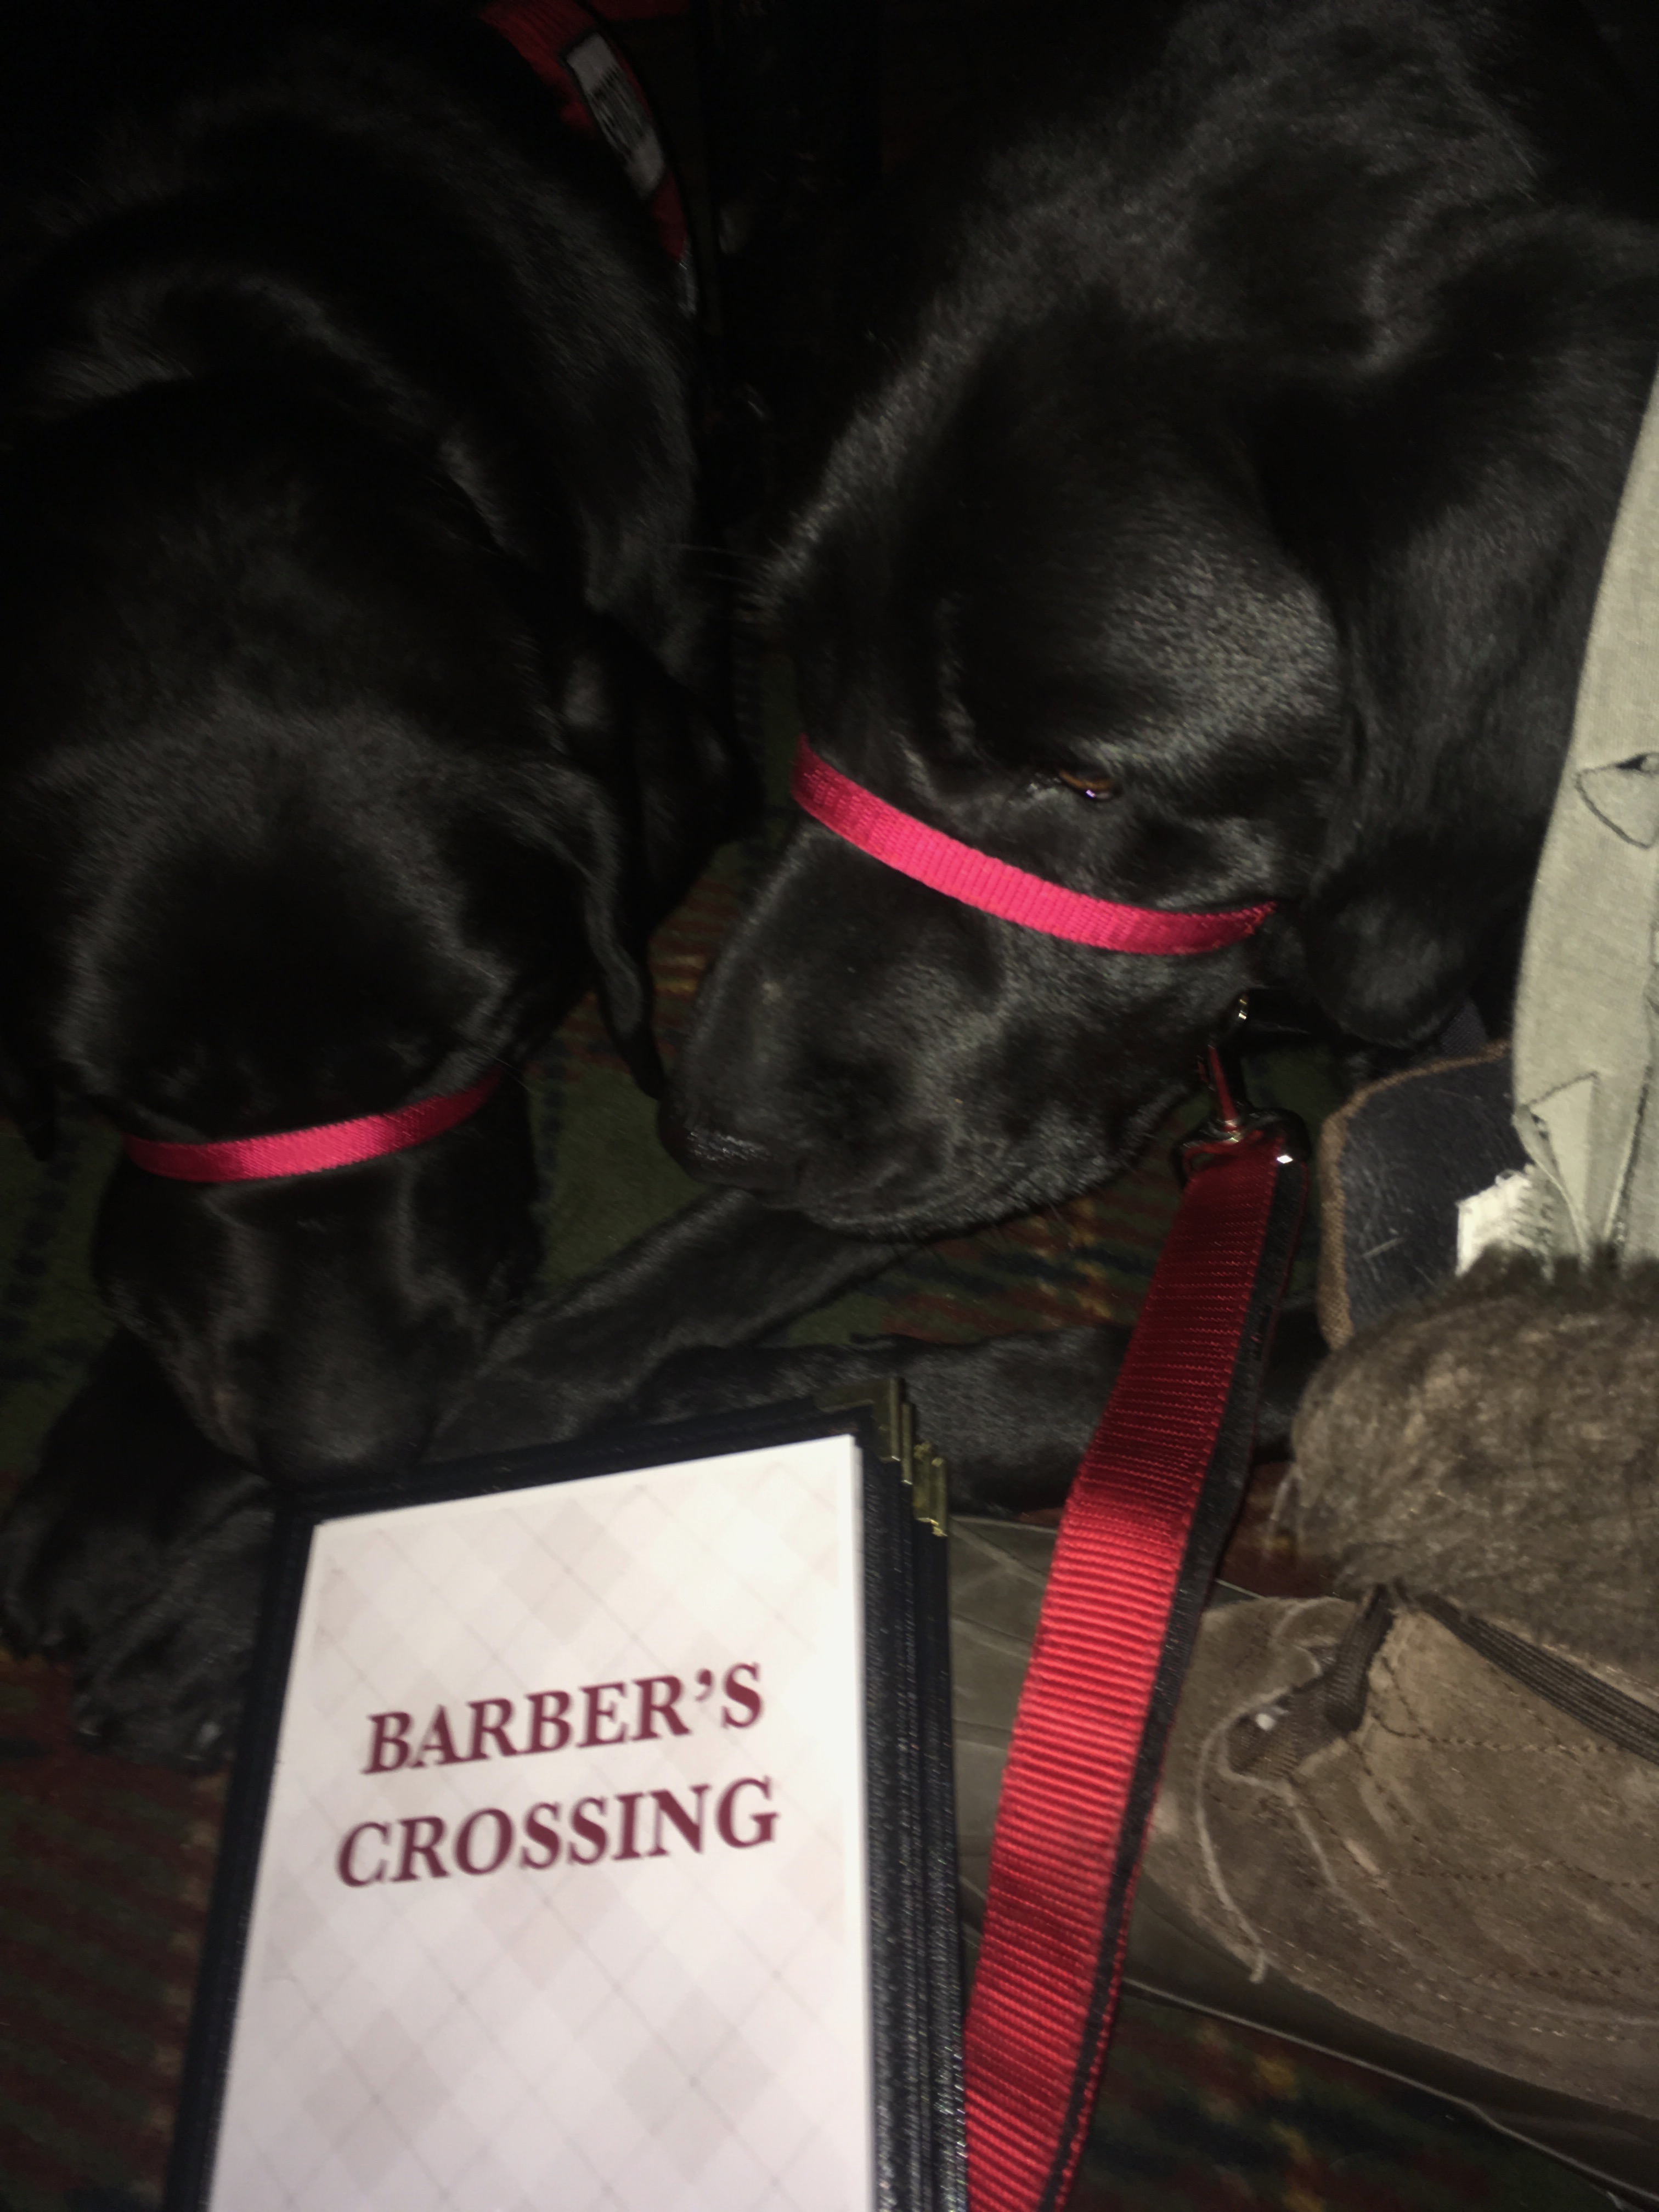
<point x="1091" y="786"/>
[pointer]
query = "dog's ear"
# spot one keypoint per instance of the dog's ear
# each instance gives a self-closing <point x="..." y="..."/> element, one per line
<point x="1461" y="561"/>
<point x="616" y="930"/>
<point x="28" y="1096"/>
<point x="1396" y="937"/>
<point x="595" y="827"/>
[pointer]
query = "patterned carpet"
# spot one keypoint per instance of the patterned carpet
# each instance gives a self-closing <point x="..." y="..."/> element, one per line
<point x="105" y="1867"/>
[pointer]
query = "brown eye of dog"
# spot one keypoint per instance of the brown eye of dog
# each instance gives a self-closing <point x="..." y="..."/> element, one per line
<point x="1091" y="786"/>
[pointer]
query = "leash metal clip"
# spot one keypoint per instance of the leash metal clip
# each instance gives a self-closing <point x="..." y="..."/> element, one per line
<point x="1236" y="1126"/>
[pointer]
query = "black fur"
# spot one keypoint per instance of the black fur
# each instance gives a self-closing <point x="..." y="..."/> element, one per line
<point x="1239" y="434"/>
<point x="350" y="648"/>
<point x="1241" y="437"/>
<point x="346" y="646"/>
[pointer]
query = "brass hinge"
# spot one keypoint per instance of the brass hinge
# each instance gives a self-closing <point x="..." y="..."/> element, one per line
<point x="897" y="1442"/>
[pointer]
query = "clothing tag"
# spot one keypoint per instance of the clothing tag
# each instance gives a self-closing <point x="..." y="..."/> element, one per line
<point x="1509" y="1215"/>
<point x="618" y="110"/>
<point x="600" y="96"/>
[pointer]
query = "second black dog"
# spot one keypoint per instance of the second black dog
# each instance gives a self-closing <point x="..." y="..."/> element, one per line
<point x="1214" y="514"/>
<point x="349" y="642"/>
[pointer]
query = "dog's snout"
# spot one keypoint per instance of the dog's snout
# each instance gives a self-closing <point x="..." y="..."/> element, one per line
<point x="373" y="1433"/>
<point x="717" y="1155"/>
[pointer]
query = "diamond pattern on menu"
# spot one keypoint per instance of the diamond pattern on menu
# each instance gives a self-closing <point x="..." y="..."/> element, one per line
<point x="686" y="2033"/>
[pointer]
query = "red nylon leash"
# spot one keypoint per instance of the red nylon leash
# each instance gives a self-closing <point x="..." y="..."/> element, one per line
<point x="1138" y="1541"/>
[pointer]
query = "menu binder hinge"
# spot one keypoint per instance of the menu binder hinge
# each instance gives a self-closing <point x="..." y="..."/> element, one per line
<point x="929" y="1487"/>
<point x="897" y="1442"/>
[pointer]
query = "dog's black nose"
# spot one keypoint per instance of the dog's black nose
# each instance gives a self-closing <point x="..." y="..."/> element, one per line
<point x="739" y="1163"/>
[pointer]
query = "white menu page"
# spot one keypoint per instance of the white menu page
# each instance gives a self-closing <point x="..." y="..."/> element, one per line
<point x="562" y="1900"/>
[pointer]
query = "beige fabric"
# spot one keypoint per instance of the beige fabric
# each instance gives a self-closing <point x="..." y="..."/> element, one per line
<point x="1589" y="1003"/>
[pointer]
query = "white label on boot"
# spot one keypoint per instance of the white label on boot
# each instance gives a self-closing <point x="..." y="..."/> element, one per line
<point x="1508" y="1214"/>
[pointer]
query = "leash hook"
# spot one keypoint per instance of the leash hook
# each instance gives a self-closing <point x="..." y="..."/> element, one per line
<point x="1235" y="1125"/>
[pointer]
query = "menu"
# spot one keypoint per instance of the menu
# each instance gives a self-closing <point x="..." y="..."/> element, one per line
<point x="593" y="1845"/>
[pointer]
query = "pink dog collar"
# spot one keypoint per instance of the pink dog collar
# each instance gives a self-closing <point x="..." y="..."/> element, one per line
<point x="960" y="871"/>
<point x="307" y="1152"/>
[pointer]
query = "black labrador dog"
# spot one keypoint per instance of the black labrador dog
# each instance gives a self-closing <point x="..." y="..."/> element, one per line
<point x="1217" y="518"/>
<point x="1215" y="515"/>
<point x="351" y="641"/>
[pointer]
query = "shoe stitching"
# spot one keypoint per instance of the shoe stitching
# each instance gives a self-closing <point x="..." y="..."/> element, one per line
<point x="1283" y="1807"/>
<point x="1435" y="1867"/>
<point x="1447" y="1872"/>
<point x="1603" y="1802"/>
<point x="1475" y="2012"/>
<point x="1439" y="1869"/>
<point x="1476" y="1980"/>
<point x="1418" y="1733"/>
<point x="1487" y="1743"/>
<point x="1497" y="2012"/>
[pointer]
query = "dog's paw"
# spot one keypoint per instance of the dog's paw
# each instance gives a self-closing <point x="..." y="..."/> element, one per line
<point x="1012" y="1415"/>
<point x="166" y="1683"/>
<point x="135" y="1550"/>
<point x="38" y="1587"/>
<point x="67" y="1568"/>
<point x="124" y="1480"/>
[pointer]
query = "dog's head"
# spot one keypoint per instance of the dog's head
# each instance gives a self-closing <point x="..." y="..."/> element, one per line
<point x="1195" y="538"/>
<point x="1080" y="650"/>
<point x="306" y="813"/>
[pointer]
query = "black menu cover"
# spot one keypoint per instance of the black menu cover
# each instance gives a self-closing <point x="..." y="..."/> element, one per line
<point x="591" y="1841"/>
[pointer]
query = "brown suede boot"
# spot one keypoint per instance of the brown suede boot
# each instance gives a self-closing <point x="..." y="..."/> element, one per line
<point x="1357" y="1798"/>
<point x="1255" y="1901"/>
<point x="1430" y="1804"/>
